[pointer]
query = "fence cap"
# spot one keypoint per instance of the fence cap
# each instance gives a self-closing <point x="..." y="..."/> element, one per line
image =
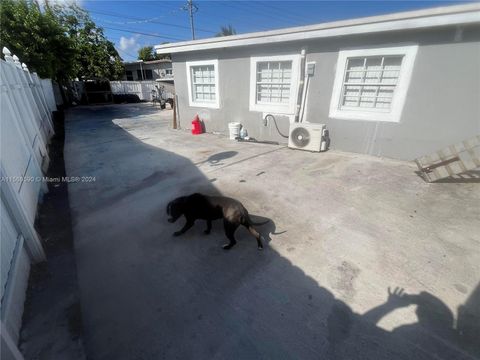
<point x="24" y="66"/>
<point x="16" y="60"/>
<point x="7" y="55"/>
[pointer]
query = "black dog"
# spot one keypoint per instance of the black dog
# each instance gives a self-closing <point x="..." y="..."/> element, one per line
<point x="198" y="206"/>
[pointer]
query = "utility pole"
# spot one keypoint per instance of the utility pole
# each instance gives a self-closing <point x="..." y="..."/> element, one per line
<point x="141" y="69"/>
<point x="191" y="8"/>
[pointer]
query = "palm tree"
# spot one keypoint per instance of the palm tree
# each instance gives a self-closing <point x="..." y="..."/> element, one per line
<point x="226" y="31"/>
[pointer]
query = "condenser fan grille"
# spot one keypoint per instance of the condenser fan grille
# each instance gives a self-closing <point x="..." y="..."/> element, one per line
<point x="300" y="137"/>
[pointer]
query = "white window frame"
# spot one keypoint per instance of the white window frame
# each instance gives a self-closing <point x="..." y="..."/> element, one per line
<point x="191" y="101"/>
<point x="288" y="109"/>
<point x="394" y="113"/>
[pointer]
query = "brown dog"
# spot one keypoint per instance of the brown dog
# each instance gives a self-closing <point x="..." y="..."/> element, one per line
<point x="198" y="206"/>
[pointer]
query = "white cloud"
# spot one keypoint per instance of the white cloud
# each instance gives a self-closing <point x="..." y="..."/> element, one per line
<point x="129" y="44"/>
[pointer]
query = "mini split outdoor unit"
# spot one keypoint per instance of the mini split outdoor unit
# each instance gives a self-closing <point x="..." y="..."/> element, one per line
<point x="307" y="136"/>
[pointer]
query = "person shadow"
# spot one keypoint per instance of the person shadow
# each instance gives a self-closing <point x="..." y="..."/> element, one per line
<point x="435" y="331"/>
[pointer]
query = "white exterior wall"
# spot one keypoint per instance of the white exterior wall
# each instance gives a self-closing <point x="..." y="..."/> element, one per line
<point x="441" y="103"/>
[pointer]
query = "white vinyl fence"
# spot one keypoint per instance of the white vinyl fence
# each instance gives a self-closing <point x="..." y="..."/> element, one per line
<point x="143" y="89"/>
<point x="26" y="127"/>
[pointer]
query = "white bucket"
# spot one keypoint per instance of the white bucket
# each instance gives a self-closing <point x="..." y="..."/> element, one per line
<point x="234" y="128"/>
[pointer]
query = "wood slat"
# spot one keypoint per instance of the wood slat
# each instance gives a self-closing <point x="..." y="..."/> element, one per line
<point x="451" y="161"/>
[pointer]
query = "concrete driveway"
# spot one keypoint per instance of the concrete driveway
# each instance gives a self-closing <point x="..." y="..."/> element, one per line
<point x="344" y="228"/>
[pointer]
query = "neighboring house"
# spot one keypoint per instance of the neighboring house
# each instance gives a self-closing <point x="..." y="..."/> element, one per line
<point x="398" y="85"/>
<point x="148" y="70"/>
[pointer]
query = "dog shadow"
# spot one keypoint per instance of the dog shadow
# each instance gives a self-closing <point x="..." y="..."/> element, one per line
<point x="266" y="230"/>
<point x="242" y="235"/>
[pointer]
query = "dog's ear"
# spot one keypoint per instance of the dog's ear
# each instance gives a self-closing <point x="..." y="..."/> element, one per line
<point x="169" y="208"/>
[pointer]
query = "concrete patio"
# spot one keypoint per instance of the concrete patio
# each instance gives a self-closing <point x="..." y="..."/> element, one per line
<point x="344" y="228"/>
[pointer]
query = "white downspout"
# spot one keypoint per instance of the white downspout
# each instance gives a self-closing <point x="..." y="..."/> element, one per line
<point x="301" y="85"/>
<point x="306" y="81"/>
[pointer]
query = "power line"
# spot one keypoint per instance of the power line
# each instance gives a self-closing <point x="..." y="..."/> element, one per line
<point x="166" y="36"/>
<point x="241" y="18"/>
<point x="172" y="11"/>
<point x="146" y="21"/>
<point x="285" y="18"/>
<point x="253" y="18"/>
<point x="150" y="21"/>
<point x="126" y="53"/>
<point x="290" y="15"/>
<point x="144" y="33"/>
<point x="249" y="10"/>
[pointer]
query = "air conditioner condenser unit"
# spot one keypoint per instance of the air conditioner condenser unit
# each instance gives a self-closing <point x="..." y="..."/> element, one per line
<point x="307" y="136"/>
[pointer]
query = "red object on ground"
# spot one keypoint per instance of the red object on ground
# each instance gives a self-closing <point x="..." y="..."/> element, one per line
<point x="196" y="126"/>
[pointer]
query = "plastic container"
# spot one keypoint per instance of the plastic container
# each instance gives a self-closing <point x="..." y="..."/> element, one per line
<point x="234" y="129"/>
<point x="243" y="132"/>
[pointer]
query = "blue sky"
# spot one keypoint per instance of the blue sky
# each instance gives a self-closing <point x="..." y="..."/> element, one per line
<point x="132" y="24"/>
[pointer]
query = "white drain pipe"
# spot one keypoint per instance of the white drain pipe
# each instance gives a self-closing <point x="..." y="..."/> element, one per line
<point x="301" y="85"/>
<point x="306" y="81"/>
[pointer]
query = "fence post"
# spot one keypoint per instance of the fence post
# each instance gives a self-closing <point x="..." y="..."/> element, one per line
<point x="43" y="101"/>
<point x="23" y="99"/>
<point x="7" y="55"/>
<point x="16" y="60"/>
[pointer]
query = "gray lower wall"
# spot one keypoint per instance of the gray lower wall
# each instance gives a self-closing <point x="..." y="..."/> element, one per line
<point x="442" y="105"/>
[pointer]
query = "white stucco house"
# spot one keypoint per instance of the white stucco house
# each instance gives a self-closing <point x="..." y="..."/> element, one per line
<point x="399" y="85"/>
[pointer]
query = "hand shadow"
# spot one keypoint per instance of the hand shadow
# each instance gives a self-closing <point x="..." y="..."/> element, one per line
<point x="434" y="317"/>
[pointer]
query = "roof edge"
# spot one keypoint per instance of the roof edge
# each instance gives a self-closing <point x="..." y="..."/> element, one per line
<point x="431" y="17"/>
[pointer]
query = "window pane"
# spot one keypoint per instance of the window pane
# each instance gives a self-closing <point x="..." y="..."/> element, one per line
<point x="367" y="96"/>
<point x="273" y="81"/>
<point x="374" y="80"/>
<point x="373" y="70"/>
<point x="367" y="102"/>
<point x="393" y="62"/>
<point x="351" y="95"/>
<point x="385" y="91"/>
<point x="391" y="69"/>
<point x="355" y="63"/>
<point x="203" y="83"/>
<point x="286" y="65"/>
<point x="355" y="71"/>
